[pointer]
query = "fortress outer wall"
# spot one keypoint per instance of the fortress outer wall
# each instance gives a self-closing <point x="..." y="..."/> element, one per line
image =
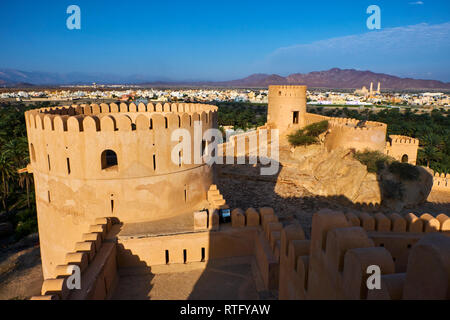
<point x="345" y="133"/>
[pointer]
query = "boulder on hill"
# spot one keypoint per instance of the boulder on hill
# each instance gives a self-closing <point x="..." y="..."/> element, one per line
<point x="338" y="174"/>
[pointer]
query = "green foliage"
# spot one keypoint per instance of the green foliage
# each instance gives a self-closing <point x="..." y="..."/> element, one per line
<point x="309" y="135"/>
<point x="26" y="223"/>
<point x="242" y="115"/>
<point x="16" y="190"/>
<point x="374" y="160"/>
<point x="299" y="138"/>
<point x="316" y="129"/>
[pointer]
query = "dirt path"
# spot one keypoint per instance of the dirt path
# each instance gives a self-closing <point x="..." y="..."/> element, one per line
<point x="20" y="270"/>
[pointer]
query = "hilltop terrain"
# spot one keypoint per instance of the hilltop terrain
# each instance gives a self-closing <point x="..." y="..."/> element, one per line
<point x="333" y="78"/>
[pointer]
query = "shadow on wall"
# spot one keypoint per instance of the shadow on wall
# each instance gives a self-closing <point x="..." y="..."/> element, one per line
<point x="227" y="270"/>
<point x="402" y="186"/>
<point x="243" y="187"/>
<point x="135" y="281"/>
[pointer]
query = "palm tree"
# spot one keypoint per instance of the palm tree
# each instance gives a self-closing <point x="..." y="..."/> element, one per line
<point x="6" y="173"/>
<point x="26" y="179"/>
<point x="432" y="148"/>
<point x="17" y="148"/>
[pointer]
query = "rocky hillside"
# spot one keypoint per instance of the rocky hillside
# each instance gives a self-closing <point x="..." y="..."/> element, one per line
<point x="338" y="78"/>
<point x="333" y="78"/>
<point x="338" y="174"/>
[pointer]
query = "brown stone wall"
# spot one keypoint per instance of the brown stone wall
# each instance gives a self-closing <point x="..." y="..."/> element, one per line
<point x="403" y="149"/>
<point x="344" y="133"/>
<point x="311" y="118"/>
<point x="441" y="181"/>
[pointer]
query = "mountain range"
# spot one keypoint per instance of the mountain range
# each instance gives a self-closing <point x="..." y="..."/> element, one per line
<point x="333" y="78"/>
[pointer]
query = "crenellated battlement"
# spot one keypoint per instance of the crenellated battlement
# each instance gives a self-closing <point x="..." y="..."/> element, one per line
<point x="440" y="175"/>
<point x="311" y="118"/>
<point x="441" y="181"/>
<point x="288" y="91"/>
<point x="69" y="141"/>
<point x="94" y="109"/>
<point x="353" y="123"/>
<point x="351" y="133"/>
<point x="123" y="116"/>
<point x="395" y="139"/>
<point x="334" y="263"/>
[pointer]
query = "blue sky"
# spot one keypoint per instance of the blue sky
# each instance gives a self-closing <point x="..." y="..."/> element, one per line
<point x="223" y="40"/>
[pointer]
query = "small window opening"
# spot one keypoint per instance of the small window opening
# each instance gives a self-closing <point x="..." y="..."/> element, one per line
<point x="203" y="255"/>
<point x="109" y="159"/>
<point x="295" y="117"/>
<point x="33" y="153"/>
<point x="68" y="165"/>
<point x="405" y="158"/>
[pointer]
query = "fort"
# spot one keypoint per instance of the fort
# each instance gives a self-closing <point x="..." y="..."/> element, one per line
<point x="111" y="201"/>
<point x="95" y="160"/>
<point x="287" y="113"/>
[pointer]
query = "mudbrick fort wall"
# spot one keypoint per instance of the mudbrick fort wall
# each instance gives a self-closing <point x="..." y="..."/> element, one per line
<point x="110" y="198"/>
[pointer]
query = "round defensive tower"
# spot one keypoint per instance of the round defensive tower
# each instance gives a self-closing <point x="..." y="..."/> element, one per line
<point x="287" y="107"/>
<point x="94" y="161"/>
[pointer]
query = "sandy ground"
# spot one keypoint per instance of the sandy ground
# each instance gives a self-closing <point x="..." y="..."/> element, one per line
<point x="237" y="278"/>
<point x="20" y="270"/>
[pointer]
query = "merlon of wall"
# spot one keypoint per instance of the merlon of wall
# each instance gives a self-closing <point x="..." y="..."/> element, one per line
<point x="395" y="139"/>
<point x="81" y="119"/>
<point x="334" y="265"/>
<point x="311" y="118"/>
<point x="352" y="124"/>
<point x="441" y="181"/>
